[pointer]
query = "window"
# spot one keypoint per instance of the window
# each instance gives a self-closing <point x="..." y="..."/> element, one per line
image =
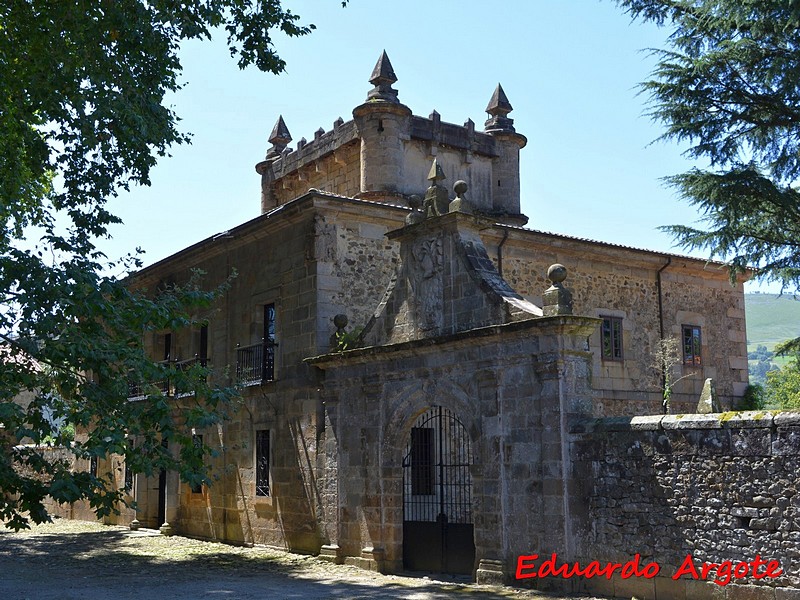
<point x="93" y="466"/>
<point x="167" y="346"/>
<point x="422" y="453"/>
<point x="203" y="353"/>
<point x="691" y="345"/>
<point x="255" y="364"/>
<point x="128" y="477"/>
<point x="269" y="343"/>
<point x="197" y="440"/>
<point x="262" y="462"/>
<point x="611" y="338"/>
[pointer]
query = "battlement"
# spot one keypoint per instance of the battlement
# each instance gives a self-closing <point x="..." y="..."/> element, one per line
<point x="383" y="154"/>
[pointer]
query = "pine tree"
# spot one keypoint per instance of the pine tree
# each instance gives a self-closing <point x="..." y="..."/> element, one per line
<point x="729" y="86"/>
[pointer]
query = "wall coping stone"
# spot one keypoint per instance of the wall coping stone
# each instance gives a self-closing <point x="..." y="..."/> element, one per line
<point x="569" y="325"/>
<point x="691" y="421"/>
<point x="788" y="417"/>
<point x="646" y="423"/>
<point x="748" y="419"/>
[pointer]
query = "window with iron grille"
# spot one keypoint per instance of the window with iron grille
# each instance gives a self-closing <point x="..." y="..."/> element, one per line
<point x="93" y="466"/>
<point x="262" y="462"/>
<point x="422" y="459"/>
<point x="128" y="479"/>
<point x="611" y="338"/>
<point x="692" y="345"/>
<point x="269" y="343"/>
<point x="197" y="440"/>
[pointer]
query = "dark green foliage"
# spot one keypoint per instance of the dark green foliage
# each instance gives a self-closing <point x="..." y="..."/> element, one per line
<point x="729" y="85"/>
<point x="783" y="387"/>
<point x="760" y="363"/>
<point x="754" y="398"/>
<point x="82" y="114"/>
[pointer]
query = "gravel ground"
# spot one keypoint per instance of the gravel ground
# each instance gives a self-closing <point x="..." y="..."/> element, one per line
<point x="69" y="560"/>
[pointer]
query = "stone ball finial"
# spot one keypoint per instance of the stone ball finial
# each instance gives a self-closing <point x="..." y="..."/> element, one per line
<point x="557" y="273"/>
<point x="460" y="204"/>
<point x="340" y="321"/>
<point x="416" y="215"/>
<point x="557" y="299"/>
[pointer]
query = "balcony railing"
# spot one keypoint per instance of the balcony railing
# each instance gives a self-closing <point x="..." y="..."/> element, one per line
<point x="255" y="364"/>
<point x="137" y="389"/>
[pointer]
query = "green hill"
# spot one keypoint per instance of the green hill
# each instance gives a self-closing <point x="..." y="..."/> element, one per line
<point x="771" y="319"/>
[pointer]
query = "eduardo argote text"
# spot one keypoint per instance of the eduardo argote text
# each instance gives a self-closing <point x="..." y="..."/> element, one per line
<point x="530" y="566"/>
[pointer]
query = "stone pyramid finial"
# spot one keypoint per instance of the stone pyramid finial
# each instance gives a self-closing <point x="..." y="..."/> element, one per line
<point x="382" y="78"/>
<point x="498" y="109"/>
<point x="279" y="138"/>
<point x="436" y="202"/>
<point x="499" y="104"/>
<point x="436" y="173"/>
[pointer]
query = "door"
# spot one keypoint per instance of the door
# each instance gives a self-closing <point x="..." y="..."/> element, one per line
<point x="162" y="498"/>
<point x="437" y="495"/>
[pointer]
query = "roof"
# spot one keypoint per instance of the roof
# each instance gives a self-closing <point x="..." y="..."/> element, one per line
<point x="311" y="193"/>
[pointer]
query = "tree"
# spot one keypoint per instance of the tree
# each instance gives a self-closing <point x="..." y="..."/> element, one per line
<point x="82" y="115"/>
<point x="729" y="85"/>
<point x="783" y="386"/>
<point x="665" y="358"/>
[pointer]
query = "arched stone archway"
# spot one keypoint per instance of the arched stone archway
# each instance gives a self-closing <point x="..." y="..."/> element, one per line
<point x="405" y="405"/>
<point x="438" y="526"/>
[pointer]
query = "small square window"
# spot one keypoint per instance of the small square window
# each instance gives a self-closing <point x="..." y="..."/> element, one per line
<point x="611" y="338"/>
<point x="692" y="343"/>
<point x="262" y="462"/>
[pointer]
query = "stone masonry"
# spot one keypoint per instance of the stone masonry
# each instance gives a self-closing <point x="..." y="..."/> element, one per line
<point x="719" y="487"/>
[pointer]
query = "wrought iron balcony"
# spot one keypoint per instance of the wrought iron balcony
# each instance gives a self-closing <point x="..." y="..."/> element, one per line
<point x="166" y="386"/>
<point x="255" y="364"/>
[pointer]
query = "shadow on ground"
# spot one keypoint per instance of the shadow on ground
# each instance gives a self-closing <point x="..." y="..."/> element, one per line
<point x="115" y="563"/>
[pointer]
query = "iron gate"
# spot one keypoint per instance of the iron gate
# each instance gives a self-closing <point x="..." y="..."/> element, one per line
<point x="437" y="495"/>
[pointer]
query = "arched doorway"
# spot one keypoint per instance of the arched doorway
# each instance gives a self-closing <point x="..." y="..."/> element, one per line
<point x="438" y="530"/>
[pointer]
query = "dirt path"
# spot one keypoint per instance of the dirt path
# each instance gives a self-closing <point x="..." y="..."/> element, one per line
<point x="85" y="561"/>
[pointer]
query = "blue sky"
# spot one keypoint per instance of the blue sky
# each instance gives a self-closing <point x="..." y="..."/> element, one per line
<point x="570" y="68"/>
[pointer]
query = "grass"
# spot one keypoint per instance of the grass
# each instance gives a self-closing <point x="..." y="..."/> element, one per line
<point x="771" y="319"/>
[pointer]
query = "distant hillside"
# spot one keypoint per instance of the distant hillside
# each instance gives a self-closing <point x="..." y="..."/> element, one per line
<point x="771" y="319"/>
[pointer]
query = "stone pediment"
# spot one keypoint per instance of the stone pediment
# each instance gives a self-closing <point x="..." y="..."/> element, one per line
<point x="445" y="283"/>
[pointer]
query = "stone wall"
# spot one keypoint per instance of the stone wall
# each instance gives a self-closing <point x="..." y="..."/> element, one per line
<point x="614" y="281"/>
<point x="335" y="172"/>
<point x="720" y="487"/>
<point x="508" y="385"/>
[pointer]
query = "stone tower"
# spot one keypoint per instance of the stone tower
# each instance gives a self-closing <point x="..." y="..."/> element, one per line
<point x="505" y="167"/>
<point x="384" y="152"/>
<point x="384" y="125"/>
<point x="279" y="138"/>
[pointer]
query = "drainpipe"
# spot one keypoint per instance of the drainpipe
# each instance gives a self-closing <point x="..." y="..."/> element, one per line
<point x="661" y="313"/>
<point x="660" y="299"/>
<point x="500" y="252"/>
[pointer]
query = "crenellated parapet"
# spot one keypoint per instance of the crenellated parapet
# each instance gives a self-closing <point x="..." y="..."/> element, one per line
<point x="382" y="153"/>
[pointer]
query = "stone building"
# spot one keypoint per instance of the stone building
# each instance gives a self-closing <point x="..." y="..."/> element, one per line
<point x="439" y="439"/>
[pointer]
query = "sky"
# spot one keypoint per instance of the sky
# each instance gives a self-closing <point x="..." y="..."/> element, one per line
<point x="592" y="167"/>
